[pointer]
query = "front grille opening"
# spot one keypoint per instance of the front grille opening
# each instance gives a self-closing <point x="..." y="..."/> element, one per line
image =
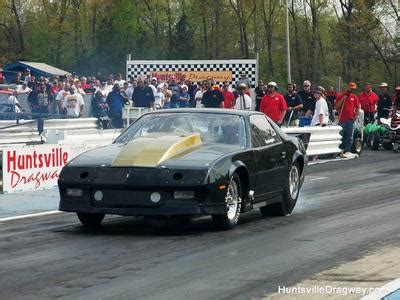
<point x="178" y="176"/>
<point x="84" y="175"/>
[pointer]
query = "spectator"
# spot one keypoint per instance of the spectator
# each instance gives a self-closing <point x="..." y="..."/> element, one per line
<point x="39" y="100"/>
<point x="368" y="100"/>
<point x="119" y="80"/>
<point x="273" y="104"/>
<point x="23" y="89"/>
<point x="85" y="85"/>
<point x="259" y="91"/>
<point x="73" y="104"/>
<point x="153" y="84"/>
<point x="116" y="100"/>
<point x="294" y="105"/>
<point x="184" y="98"/>
<point x="159" y="97"/>
<point x="99" y="105"/>
<point x="243" y="101"/>
<point x="243" y="79"/>
<point x="31" y="82"/>
<point x="331" y="96"/>
<point x="60" y="98"/>
<point x="348" y="107"/>
<point x="396" y="100"/>
<point x="198" y="96"/>
<point x="56" y="87"/>
<point x="384" y="101"/>
<point x="28" y="76"/>
<point x="143" y="95"/>
<point x="212" y="97"/>
<point x="108" y="86"/>
<point x="229" y="98"/>
<point x="13" y="101"/>
<point x="307" y="98"/>
<point x="321" y="112"/>
<point x="127" y="92"/>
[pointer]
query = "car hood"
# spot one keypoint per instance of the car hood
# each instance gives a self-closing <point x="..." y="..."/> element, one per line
<point x="185" y="152"/>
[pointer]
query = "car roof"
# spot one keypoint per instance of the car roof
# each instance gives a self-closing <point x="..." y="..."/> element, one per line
<point x="207" y="110"/>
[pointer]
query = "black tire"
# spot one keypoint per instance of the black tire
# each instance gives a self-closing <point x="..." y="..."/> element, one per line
<point x="375" y="140"/>
<point x="233" y="200"/>
<point x="357" y="146"/>
<point x="90" y="220"/>
<point x="387" y="146"/>
<point x="289" y="197"/>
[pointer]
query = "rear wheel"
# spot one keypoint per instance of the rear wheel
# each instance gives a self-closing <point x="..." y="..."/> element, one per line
<point x="233" y="204"/>
<point x="90" y="220"/>
<point x="290" y="195"/>
<point x="375" y="141"/>
<point x="357" y="146"/>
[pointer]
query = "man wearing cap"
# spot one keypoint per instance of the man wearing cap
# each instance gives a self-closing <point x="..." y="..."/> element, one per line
<point x="307" y="98"/>
<point x="348" y="107"/>
<point x="321" y="112"/>
<point x="273" y="104"/>
<point x="384" y="101"/>
<point x="368" y="100"/>
<point x="243" y="101"/>
<point x="39" y="100"/>
<point x="116" y="101"/>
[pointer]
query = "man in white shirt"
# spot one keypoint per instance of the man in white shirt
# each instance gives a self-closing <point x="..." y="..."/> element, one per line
<point x="73" y="104"/>
<point x="321" y="112"/>
<point x="119" y="80"/>
<point x="23" y="89"/>
<point x="243" y="101"/>
<point x="13" y="101"/>
<point x="60" y="97"/>
<point x="159" y="98"/>
<point x="153" y="84"/>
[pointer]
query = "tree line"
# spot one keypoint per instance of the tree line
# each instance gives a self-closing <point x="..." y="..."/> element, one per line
<point x="358" y="40"/>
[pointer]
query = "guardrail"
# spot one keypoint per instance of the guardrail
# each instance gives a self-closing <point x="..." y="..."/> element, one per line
<point x="323" y="140"/>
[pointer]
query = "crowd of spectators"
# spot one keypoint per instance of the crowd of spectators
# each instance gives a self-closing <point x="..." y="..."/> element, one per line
<point x="285" y="107"/>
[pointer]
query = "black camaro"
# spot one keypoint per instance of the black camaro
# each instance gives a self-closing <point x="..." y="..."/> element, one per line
<point x="188" y="162"/>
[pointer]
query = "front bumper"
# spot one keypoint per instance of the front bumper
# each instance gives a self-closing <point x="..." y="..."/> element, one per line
<point x="207" y="200"/>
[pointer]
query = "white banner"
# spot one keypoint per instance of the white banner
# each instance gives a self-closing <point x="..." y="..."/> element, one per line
<point x="35" y="167"/>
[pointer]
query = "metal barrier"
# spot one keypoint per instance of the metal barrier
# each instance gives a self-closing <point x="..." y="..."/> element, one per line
<point x="132" y="113"/>
<point x="323" y="140"/>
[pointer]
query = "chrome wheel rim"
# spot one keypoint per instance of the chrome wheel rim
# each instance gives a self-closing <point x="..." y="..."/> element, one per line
<point x="232" y="200"/>
<point x="294" y="181"/>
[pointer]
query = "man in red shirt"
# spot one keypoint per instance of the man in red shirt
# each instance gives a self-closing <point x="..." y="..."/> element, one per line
<point x="229" y="98"/>
<point x="368" y="100"/>
<point x="273" y="104"/>
<point x="348" y="107"/>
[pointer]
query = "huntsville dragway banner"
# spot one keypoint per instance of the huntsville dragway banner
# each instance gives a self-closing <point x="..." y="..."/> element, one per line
<point x="35" y="167"/>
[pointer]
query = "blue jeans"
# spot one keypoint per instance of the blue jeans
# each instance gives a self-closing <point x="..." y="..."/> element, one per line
<point x="347" y="134"/>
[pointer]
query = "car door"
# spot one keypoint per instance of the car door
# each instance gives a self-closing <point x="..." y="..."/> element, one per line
<point x="270" y="158"/>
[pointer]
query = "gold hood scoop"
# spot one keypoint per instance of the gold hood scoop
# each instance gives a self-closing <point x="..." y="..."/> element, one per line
<point x="151" y="150"/>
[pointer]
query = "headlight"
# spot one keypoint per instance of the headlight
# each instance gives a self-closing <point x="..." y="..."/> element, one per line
<point x="98" y="195"/>
<point x="155" y="197"/>
<point x="183" y="194"/>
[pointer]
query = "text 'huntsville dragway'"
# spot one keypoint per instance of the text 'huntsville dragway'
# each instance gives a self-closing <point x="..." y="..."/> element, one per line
<point x="328" y="289"/>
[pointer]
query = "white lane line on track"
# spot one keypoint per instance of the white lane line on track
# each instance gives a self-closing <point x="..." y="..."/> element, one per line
<point x="45" y="213"/>
<point x="327" y="160"/>
<point x="383" y="291"/>
<point x="316" y="178"/>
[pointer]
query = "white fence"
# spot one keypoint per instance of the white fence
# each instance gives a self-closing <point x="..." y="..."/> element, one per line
<point x="323" y="140"/>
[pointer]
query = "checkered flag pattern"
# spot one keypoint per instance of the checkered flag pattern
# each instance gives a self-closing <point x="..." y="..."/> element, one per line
<point x="237" y="67"/>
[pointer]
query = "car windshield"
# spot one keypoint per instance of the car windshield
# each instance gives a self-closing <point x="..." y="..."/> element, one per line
<point x="213" y="128"/>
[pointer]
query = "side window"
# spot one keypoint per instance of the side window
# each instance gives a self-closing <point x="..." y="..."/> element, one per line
<point x="262" y="133"/>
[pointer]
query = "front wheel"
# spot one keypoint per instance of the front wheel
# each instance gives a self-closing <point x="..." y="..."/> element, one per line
<point x="290" y="195"/>
<point x="90" y="220"/>
<point x="233" y="204"/>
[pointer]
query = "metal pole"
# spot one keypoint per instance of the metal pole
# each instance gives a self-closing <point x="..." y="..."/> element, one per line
<point x="289" y="75"/>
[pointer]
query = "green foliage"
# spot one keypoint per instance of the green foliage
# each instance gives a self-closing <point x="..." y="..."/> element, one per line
<point x="94" y="36"/>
